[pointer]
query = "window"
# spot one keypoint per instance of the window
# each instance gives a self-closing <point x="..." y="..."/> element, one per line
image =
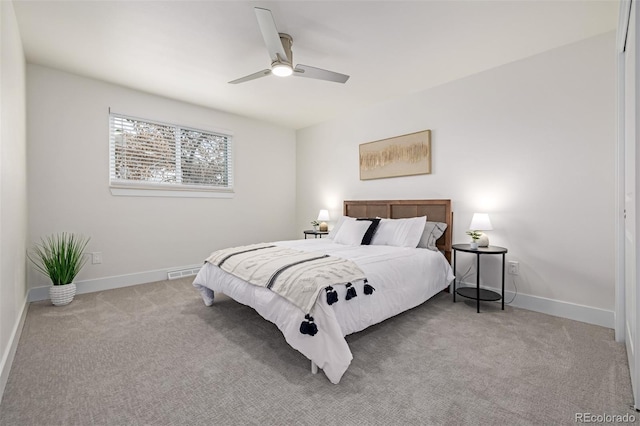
<point x="147" y="155"/>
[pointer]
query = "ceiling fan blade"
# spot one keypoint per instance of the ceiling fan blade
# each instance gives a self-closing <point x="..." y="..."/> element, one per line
<point x="319" y="74"/>
<point x="250" y="77"/>
<point x="270" y="34"/>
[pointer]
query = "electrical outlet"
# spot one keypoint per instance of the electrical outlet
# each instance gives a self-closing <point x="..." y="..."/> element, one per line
<point x="514" y="267"/>
<point x="96" y="257"/>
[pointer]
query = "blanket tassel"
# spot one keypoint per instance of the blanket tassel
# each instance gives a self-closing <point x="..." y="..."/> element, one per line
<point x="368" y="288"/>
<point x="308" y="326"/>
<point x="332" y="295"/>
<point x="351" y="292"/>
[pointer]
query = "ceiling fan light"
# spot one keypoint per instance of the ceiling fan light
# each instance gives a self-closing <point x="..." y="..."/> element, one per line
<point x="282" y="70"/>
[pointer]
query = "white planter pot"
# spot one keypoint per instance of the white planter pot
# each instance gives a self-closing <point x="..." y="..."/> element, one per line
<point x="474" y="245"/>
<point x="62" y="294"/>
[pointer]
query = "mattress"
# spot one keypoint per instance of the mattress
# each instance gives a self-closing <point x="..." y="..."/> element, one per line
<point x="402" y="277"/>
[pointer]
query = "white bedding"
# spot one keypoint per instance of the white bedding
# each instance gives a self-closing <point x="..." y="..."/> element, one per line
<point x="403" y="278"/>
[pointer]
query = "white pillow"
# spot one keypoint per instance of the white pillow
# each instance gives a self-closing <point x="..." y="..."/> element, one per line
<point x="400" y="232"/>
<point x="336" y="227"/>
<point x="351" y="232"/>
<point x="432" y="231"/>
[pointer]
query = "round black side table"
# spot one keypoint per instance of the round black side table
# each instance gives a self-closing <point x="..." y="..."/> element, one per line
<point x="316" y="234"/>
<point x="478" y="293"/>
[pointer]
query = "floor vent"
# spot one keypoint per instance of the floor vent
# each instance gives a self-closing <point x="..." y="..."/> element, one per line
<point x="181" y="273"/>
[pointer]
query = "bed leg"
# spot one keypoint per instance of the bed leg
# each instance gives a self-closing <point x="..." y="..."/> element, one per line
<point x="314" y="368"/>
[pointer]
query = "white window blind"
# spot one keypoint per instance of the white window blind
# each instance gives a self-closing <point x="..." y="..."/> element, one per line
<point x="149" y="155"/>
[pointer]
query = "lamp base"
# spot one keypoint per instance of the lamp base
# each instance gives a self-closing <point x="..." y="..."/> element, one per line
<point x="483" y="241"/>
<point x="324" y="227"/>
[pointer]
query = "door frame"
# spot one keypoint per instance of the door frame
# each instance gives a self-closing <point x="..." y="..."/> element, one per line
<point x="623" y="25"/>
<point x="629" y="15"/>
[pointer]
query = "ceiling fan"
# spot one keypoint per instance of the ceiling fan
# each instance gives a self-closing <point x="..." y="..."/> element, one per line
<point x="279" y="47"/>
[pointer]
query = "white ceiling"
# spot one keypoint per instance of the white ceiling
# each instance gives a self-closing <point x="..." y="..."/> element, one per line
<point x="189" y="50"/>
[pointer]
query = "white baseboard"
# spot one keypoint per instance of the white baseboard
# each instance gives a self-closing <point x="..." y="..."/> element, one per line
<point x="37" y="294"/>
<point x="10" y="351"/>
<point x="557" y="308"/>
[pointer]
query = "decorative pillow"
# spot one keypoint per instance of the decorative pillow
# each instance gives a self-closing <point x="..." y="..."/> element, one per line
<point x="400" y="232"/>
<point x="336" y="227"/>
<point x="366" y="240"/>
<point x="383" y="234"/>
<point x="351" y="232"/>
<point x="432" y="231"/>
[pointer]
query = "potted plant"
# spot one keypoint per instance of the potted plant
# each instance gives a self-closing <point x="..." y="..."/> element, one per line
<point x="315" y="224"/>
<point x="60" y="257"/>
<point x="475" y="236"/>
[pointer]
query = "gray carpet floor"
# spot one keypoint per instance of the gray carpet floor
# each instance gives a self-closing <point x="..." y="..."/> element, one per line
<point x="153" y="354"/>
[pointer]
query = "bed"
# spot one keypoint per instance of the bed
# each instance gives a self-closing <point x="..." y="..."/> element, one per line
<point x="399" y="278"/>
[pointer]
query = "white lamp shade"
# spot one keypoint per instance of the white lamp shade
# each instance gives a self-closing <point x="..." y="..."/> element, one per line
<point x="323" y="215"/>
<point x="480" y="222"/>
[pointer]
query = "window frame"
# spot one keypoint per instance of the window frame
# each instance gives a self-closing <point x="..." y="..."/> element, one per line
<point x="141" y="188"/>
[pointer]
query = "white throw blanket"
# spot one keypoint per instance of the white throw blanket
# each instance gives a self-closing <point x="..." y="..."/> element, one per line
<point x="297" y="276"/>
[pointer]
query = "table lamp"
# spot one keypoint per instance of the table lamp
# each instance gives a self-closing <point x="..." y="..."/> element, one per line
<point x="481" y="222"/>
<point x="323" y="216"/>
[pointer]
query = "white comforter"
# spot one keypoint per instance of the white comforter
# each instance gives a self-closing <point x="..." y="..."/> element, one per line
<point x="403" y="278"/>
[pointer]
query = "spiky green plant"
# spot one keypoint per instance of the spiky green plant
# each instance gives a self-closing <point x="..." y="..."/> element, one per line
<point x="59" y="256"/>
<point x="475" y="235"/>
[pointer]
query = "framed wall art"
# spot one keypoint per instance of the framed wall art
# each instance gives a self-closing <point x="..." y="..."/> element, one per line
<point x="404" y="155"/>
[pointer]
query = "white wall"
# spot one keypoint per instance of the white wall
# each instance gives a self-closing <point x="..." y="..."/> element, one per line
<point x="68" y="147"/>
<point x="13" y="186"/>
<point x="531" y="143"/>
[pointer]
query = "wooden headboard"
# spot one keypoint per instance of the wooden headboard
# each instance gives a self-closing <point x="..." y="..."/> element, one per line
<point x="435" y="210"/>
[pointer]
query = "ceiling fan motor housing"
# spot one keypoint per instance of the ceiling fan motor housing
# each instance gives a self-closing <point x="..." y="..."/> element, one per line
<point x="287" y="42"/>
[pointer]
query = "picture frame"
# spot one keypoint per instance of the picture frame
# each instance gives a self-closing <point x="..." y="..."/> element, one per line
<point x="404" y="155"/>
